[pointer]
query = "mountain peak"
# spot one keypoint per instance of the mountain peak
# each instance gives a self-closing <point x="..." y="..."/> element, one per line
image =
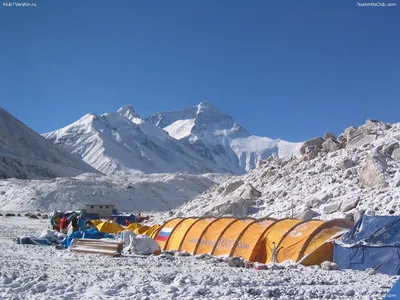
<point x="206" y="104"/>
<point x="128" y="112"/>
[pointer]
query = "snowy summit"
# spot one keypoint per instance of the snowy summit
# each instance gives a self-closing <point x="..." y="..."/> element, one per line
<point x="197" y="140"/>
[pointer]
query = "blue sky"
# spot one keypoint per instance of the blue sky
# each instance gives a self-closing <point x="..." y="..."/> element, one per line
<point x="282" y="69"/>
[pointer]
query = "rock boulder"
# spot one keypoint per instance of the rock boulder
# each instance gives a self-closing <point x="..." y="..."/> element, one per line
<point x="308" y="215"/>
<point x="373" y="172"/>
<point x="233" y="186"/>
<point x="388" y="149"/>
<point x="331" y="208"/>
<point x="237" y="207"/>
<point x="349" y="204"/>
<point x="311" y="152"/>
<point x="396" y="154"/>
<point x="317" y="142"/>
<point x="249" y="192"/>
<point x="331" y="145"/>
<point x="345" y="164"/>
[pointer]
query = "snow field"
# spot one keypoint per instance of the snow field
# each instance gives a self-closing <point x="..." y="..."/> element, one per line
<point x="42" y="272"/>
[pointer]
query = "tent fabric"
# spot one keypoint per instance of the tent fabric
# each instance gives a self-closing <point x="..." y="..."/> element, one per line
<point x="229" y="237"/>
<point x="384" y="259"/>
<point x="96" y="222"/>
<point x="252" y="239"/>
<point x="153" y="228"/>
<point x="373" y="242"/>
<point x="109" y="227"/>
<point x="211" y="235"/>
<point x="165" y="231"/>
<point x="248" y="245"/>
<point x="289" y="247"/>
<point x="174" y="241"/>
<point x="374" y="230"/>
<point x="133" y="226"/>
<point x="275" y="233"/>
<point x="141" y="229"/>
<point x="307" y="237"/>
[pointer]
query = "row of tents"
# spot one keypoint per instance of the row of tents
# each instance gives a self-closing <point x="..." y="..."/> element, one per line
<point x="114" y="228"/>
<point x="254" y="240"/>
<point x="372" y="242"/>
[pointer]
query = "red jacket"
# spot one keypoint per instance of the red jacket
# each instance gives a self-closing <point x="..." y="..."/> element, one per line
<point x="64" y="223"/>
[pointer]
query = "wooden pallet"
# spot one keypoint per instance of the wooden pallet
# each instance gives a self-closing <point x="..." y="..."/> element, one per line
<point x="105" y="247"/>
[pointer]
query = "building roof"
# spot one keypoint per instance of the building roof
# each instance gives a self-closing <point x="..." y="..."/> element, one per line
<point x="100" y="204"/>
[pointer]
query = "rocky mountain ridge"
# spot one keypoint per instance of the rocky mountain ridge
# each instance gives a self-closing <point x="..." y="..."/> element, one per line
<point x="25" y="154"/>
<point x="356" y="173"/>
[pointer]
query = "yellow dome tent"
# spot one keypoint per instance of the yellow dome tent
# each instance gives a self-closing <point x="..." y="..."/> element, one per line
<point x="133" y="226"/>
<point x="109" y="227"/>
<point x="295" y="240"/>
<point x="96" y="222"/>
<point x="141" y="230"/>
<point x="149" y="232"/>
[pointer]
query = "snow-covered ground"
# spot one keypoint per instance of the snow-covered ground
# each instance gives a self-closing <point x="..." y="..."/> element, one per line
<point x="129" y="192"/>
<point x="42" y="272"/>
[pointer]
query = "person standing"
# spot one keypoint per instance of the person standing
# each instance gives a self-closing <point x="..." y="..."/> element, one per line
<point x="74" y="223"/>
<point x="81" y="222"/>
<point x="55" y="221"/>
<point x="64" y="224"/>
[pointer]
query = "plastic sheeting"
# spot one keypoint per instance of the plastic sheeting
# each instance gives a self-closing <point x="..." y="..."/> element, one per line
<point x="374" y="230"/>
<point x="384" y="259"/>
<point x="373" y="242"/>
<point x="139" y="244"/>
<point x="87" y="234"/>
<point x="47" y="237"/>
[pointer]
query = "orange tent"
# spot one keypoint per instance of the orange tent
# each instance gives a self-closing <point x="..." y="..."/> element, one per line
<point x="254" y="240"/>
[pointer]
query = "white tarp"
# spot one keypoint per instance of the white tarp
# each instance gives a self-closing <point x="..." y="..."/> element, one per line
<point x="139" y="244"/>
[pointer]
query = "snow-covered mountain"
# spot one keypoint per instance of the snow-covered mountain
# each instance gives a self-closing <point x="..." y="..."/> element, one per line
<point x="122" y="141"/>
<point x="26" y="154"/>
<point x="218" y="138"/>
<point x="355" y="173"/>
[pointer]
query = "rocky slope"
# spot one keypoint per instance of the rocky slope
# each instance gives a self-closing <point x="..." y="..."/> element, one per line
<point x="25" y="154"/>
<point x="355" y="173"/>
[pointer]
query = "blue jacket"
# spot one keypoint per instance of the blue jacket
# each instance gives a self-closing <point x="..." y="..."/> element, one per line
<point x="82" y="223"/>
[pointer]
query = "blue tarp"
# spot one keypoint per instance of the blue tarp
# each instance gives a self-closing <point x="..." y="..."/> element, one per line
<point x="121" y="219"/>
<point x="373" y="242"/>
<point x="374" y="230"/>
<point x="48" y="237"/>
<point x="87" y="234"/>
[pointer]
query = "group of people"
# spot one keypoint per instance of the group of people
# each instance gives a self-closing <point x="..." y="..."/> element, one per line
<point x="78" y="222"/>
